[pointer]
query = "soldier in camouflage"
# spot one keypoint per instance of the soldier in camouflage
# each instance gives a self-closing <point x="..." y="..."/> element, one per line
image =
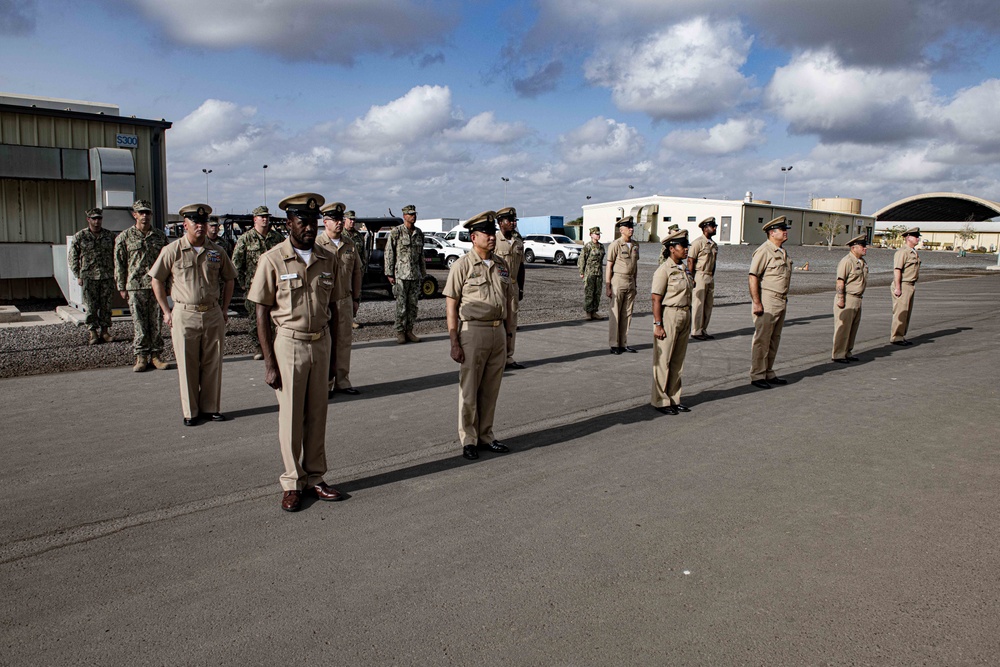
<point x="92" y="261"/>
<point x="591" y="265"/>
<point x="405" y="269"/>
<point x="358" y="239"/>
<point x="135" y="251"/>
<point x="213" y="235"/>
<point x="254" y="243"/>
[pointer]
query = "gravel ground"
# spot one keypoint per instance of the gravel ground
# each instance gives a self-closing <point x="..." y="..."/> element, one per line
<point x="552" y="293"/>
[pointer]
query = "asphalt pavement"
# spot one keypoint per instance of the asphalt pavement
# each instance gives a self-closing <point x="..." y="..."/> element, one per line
<point x="847" y="518"/>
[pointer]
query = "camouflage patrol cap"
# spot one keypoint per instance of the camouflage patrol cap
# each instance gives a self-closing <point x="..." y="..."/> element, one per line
<point x="302" y="205"/>
<point x="196" y="212"/>
<point x="673" y="228"/>
<point x="912" y="231"/>
<point x="509" y="212"/>
<point x="142" y="205"/>
<point x="595" y="230"/>
<point x="625" y="222"/>
<point x="860" y="239"/>
<point x="706" y="222"/>
<point x="777" y="223"/>
<point x="350" y="214"/>
<point x="334" y="211"/>
<point x="409" y="209"/>
<point x="95" y="213"/>
<point x="679" y="237"/>
<point x="484" y="222"/>
<point x="262" y="210"/>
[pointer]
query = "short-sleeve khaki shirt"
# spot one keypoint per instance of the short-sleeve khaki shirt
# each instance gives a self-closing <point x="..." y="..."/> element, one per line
<point x="195" y="276"/>
<point x="299" y="294"/>
<point x="512" y="252"/>
<point x="482" y="291"/>
<point x="348" y="264"/>
<point x="623" y="260"/>
<point x="704" y="252"/>
<point x="672" y="282"/>
<point x="908" y="261"/>
<point x="773" y="267"/>
<point x="854" y="272"/>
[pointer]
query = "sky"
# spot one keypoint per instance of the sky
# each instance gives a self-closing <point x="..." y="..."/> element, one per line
<point x="383" y="103"/>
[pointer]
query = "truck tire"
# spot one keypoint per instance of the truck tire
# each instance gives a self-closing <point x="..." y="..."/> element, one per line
<point x="560" y="258"/>
<point x="529" y="257"/>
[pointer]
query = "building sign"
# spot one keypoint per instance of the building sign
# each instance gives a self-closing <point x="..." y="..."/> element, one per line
<point x="127" y="141"/>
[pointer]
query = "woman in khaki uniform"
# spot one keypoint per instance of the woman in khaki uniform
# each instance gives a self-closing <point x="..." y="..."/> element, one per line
<point x="619" y="283"/>
<point x="852" y="279"/>
<point x="905" y="273"/>
<point x="671" y="293"/>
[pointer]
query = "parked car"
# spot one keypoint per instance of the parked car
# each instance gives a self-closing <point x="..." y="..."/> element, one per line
<point x="437" y="251"/>
<point x="551" y="248"/>
<point x="459" y="238"/>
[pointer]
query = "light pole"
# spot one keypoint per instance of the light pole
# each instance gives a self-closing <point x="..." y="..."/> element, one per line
<point x="630" y="188"/>
<point x="206" y="172"/>
<point x="784" y="170"/>
<point x="505" y="182"/>
<point x="265" y="185"/>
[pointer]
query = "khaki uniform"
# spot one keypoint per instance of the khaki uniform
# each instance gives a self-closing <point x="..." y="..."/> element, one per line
<point x="348" y="268"/>
<point x="300" y="297"/>
<point x="92" y="260"/>
<point x="135" y="253"/>
<point x="404" y="261"/>
<point x="198" y="329"/>
<point x="908" y="261"/>
<point x="704" y="252"/>
<point x="773" y="268"/>
<point x="854" y="272"/>
<point x="623" y="265"/>
<point x="483" y="294"/>
<point x="512" y="252"/>
<point x="673" y="282"/>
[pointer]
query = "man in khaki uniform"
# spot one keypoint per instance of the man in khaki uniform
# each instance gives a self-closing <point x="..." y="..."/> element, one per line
<point x="852" y="278"/>
<point x="619" y="284"/>
<point x="701" y="264"/>
<point x="905" y="272"/>
<point x="348" y="292"/>
<point x="92" y="261"/>
<point x="770" y="275"/>
<point x="294" y="289"/>
<point x="358" y="239"/>
<point x="194" y="266"/>
<point x="671" y="293"/>
<point x="510" y="248"/>
<point x="480" y="293"/>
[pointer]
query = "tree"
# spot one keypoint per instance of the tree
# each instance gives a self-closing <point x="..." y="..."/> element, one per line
<point x="894" y="234"/>
<point x="967" y="232"/>
<point x="830" y="229"/>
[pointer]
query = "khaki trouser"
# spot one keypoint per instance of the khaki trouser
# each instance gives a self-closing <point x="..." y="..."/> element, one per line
<point x="767" y="335"/>
<point x="345" y="335"/>
<point x="702" y="299"/>
<point x="620" y="319"/>
<point x="515" y="309"/>
<point x="668" y="356"/>
<point x="845" y="325"/>
<point x="302" y="404"/>
<point x="479" y="379"/>
<point x="902" y="309"/>
<point x="197" y="338"/>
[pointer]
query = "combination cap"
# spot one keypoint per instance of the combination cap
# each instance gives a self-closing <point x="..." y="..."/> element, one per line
<point x="625" y="222"/>
<point x="777" y="223"/>
<point x="860" y="239"/>
<point x="302" y="205"/>
<point x="508" y="212"/>
<point x="334" y="211"/>
<point x="708" y="221"/>
<point x="912" y="231"/>
<point x="196" y="212"/>
<point x="679" y="237"/>
<point x="485" y="222"/>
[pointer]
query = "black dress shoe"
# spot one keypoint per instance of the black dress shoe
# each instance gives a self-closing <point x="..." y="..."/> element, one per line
<point x="777" y="381"/>
<point x="350" y="390"/>
<point x="708" y="337"/>
<point x="760" y="384"/>
<point x="190" y="422"/>
<point x="901" y="343"/>
<point x="699" y="337"/>
<point x="217" y="417"/>
<point x="616" y="350"/>
<point x="495" y="446"/>
<point x="666" y="410"/>
<point x="850" y="358"/>
<point x="682" y="408"/>
<point x="469" y="452"/>
<point x="514" y="365"/>
<point x="839" y="361"/>
<point x="630" y="349"/>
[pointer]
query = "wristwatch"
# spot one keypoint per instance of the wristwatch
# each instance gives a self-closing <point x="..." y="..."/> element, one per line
<point x="657" y="324"/>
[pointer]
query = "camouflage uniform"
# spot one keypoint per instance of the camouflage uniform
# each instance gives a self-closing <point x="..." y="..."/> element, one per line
<point x="246" y="254"/>
<point x="227" y="247"/>
<point x="92" y="259"/>
<point x="592" y="271"/>
<point x="358" y="239"/>
<point x="135" y="253"/>
<point x="404" y="261"/>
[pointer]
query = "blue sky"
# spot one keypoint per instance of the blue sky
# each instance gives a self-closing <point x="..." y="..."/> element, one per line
<point x="380" y="103"/>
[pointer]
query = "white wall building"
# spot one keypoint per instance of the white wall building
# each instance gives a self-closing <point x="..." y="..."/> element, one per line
<point x="436" y="224"/>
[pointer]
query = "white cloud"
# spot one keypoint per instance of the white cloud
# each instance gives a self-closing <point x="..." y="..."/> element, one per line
<point x="484" y="128"/>
<point x="601" y="140"/>
<point x="422" y="111"/>
<point x="973" y="114"/>
<point x="217" y="130"/>
<point x="691" y="70"/>
<point x="733" y="136"/>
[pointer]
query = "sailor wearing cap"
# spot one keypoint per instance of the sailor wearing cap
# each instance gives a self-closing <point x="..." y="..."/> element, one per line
<point x="195" y="267"/>
<point x="770" y="274"/>
<point x="619" y="284"/>
<point x="347" y="291"/>
<point x="510" y="248"/>
<point x="852" y="278"/>
<point x="295" y="289"/>
<point x="905" y="272"/>
<point x="591" y="265"/>
<point x="92" y="260"/>
<point x="671" y="292"/>
<point x="701" y="264"/>
<point x="405" y="270"/>
<point x="480" y="294"/>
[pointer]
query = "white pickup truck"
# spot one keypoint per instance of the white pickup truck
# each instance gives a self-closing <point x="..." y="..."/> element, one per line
<point x="551" y="248"/>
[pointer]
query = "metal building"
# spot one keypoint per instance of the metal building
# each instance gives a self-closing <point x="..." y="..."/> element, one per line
<point x="57" y="159"/>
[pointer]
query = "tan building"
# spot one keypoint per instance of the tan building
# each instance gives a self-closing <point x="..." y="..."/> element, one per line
<point x="943" y="217"/>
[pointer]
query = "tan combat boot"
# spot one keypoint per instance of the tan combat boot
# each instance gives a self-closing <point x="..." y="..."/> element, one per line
<point x="106" y="336"/>
<point x="259" y="355"/>
<point x="412" y="337"/>
<point x="140" y="364"/>
<point x="158" y="364"/>
<point x="94" y="339"/>
<point x="400" y="337"/>
<point x="355" y="325"/>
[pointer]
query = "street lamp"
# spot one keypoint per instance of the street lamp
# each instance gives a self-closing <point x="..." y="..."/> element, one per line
<point x="505" y="182"/>
<point x="631" y="187"/>
<point x="206" y="172"/>
<point x="784" y="170"/>
<point x="265" y="185"/>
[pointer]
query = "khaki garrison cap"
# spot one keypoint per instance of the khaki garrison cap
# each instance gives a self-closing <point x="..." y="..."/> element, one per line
<point x="912" y="231"/>
<point x="334" y="210"/>
<point x="196" y="212"/>
<point x="303" y="205"/>
<point x="262" y="210"/>
<point x="706" y="222"/>
<point x="509" y="212"/>
<point x="777" y="223"/>
<point x="142" y="205"/>
<point x="860" y="239"/>
<point x="409" y="209"/>
<point x="350" y="214"/>
<point x="95" y="213"/>
<point x="677" y="238"/>
<point x="625" y="222"/>
<point x="484" y="222"/>
<point x="595" y="230"/>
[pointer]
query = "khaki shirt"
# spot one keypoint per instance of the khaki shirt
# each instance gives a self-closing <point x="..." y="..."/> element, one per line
<point x="299" y="295"/>
<point x="854" y="272"/>
<point x="348" y="264"/>
<point x="512" y="252"/>
<point x="482" y="291"/>
<point x="672" y="282"/>
<point x="623" y="264"/>
<point x="773" y="267"/>
<point x="194" y="276"/>
<point x="704" y="252"/>
<point x="908" y="261"/>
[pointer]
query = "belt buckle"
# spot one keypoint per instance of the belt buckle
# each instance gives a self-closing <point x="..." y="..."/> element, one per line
<point x="202" y="308"/>
<point x="317" y="335"/>
<point x="496" y="323"/>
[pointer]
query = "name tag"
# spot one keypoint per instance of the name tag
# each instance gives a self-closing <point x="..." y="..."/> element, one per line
<point x="288" y="276"/>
